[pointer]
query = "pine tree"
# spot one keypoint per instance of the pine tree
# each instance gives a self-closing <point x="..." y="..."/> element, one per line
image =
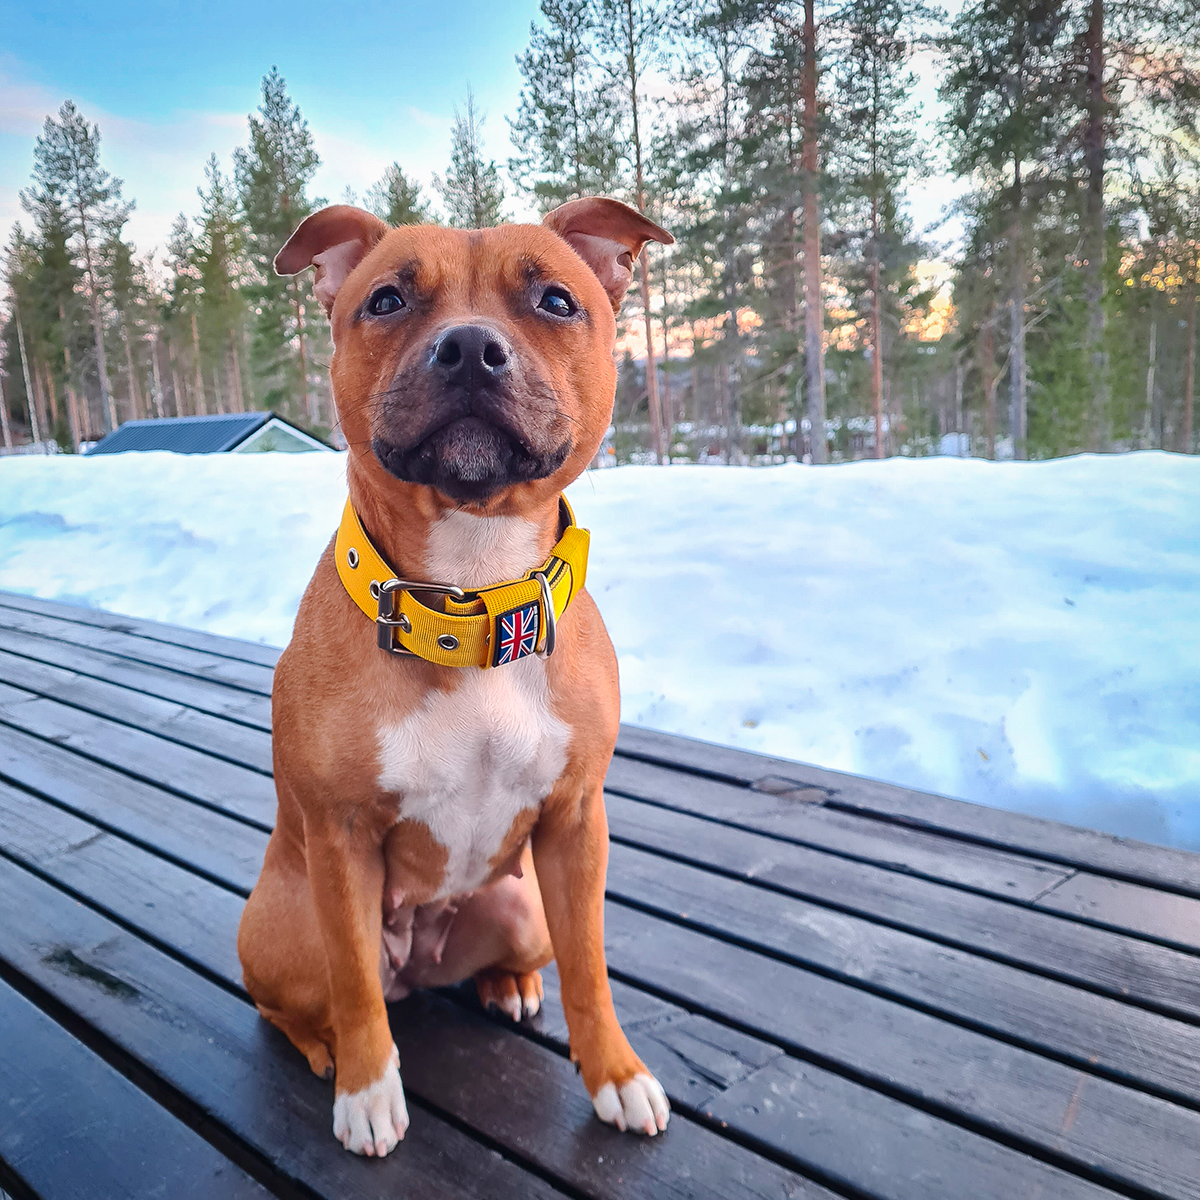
<point x="1169" y="263"/>
<point x="1004" y="90"/>
<point x="877" y="152"/>
<point x="565" y="130"/>
<point x="130" y="294"/>
<point x="67" y="170"/>
<point x="814" y="303"/>
<point x="183" y="319"/>
<point x="272" y="175"/>
<point x="773" y="143"/>
<point x="1133" y="79"/>
<point x="471" y="189"/>
<point x="629" y="36"/>
<point x="715" y="138"/>
<point x="62" y="334"/>
<point x="217" y="252"/>
<point x="20" y="274"/>
<point x="980" y="296"/>
<point x="397" y="200"/>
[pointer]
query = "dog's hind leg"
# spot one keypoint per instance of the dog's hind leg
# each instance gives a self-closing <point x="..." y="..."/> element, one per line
<point x="283" y="959"/>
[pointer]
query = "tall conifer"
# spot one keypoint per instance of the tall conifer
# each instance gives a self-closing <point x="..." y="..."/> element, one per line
<point x="272" y="174"/>
<point x="1004" y="91"/>
<point x="471" y="189"/>
<point x="67" y="168"/>
<point x="397" y="199"/>
<point x="877" y="151"/>
<point x="565" y="130"/>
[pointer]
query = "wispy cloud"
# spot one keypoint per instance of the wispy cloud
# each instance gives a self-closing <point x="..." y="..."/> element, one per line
<point x="160" y="162"/>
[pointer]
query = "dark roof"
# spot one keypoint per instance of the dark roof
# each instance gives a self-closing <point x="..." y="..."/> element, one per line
<point x="184" y="435"/>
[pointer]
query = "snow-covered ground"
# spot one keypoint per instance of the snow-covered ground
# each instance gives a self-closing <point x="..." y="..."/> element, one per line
<point x="1022" y="635"/>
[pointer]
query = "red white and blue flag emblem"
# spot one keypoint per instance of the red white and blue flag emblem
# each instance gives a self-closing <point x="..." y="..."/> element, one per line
<point x="516" y="634"/>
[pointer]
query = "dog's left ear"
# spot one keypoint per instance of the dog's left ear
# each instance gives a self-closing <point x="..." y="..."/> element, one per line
<point x="608" y="236"/>
<point x="334" y="240"/>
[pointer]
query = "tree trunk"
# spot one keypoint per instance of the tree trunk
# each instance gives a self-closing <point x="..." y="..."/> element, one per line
<point x="309" y="402"/>
<point x="656" y="424"/>
<point x="239" y="399"/>
<point x="201" y="402"/>
<point x="876" y="332"/>
<point x="722" y="382"/>
<point x="958" y="397"/>
<point x="52" y="393"/>
<point x="1094" y="161"/>
<point x="652" y="398"/>
<point x="217" y="396"/>
<point x="135" y="391"/>
<point x="814" y="308"/>
<point x="5" y="430"/>
<point x="77" y="431"/>
<point x="39" y="395"/>
<point x="1189" y="375"/>
<point x="665" y="397"/>
<point x="30" y="400"/>
<point x="106" y="398"/>
<point x="1018" y="407"/>
<point x="986" y="350"/>
<point x="1151" y="363"/>
<point x="176" y="382"/>
<point x="157" y="375"/>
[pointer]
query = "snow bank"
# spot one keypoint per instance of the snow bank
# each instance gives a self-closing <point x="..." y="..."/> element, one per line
<point x="1022" y="635"/>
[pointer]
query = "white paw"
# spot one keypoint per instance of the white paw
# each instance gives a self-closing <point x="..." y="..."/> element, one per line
<point x="372" y="1121"/>
<point x="640" y="1105"/>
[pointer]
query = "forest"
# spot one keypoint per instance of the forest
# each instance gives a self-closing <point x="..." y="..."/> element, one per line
<point x="1048" y="307"/>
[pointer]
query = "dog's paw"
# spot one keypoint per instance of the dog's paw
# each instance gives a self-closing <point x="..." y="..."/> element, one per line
<point x="518" y="995"/>
<point x="640" y="1105"/>
<point x="373" y="1120"/>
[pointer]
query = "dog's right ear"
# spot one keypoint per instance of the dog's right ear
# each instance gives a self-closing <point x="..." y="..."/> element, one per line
<point x="334" y="240"/>
<point x="608" y="236"/>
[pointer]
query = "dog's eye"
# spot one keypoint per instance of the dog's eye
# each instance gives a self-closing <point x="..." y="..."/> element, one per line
<point x="385" y="301"/>
<point x="557" y="303"/>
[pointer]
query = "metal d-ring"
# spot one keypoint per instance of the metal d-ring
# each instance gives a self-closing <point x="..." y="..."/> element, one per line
<point x="548" y="609"/>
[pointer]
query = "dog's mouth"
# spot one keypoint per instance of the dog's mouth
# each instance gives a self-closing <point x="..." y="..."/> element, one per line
<point x="470" y="459"/>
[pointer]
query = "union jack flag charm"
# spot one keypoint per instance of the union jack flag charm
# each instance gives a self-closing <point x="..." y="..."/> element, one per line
<point x="516" y="634"/>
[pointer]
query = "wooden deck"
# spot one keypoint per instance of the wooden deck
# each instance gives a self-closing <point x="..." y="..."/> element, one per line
<point x="848" y="989"/>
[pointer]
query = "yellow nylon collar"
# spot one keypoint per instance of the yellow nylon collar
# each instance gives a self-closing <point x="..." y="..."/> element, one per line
<point x="480" y="627"/>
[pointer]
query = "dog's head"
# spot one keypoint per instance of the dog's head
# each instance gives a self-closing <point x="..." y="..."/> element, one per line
<point x="475" y="362"/>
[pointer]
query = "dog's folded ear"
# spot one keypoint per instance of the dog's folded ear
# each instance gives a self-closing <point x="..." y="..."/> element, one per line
<point x="334" y="240"/>
<point x="608" y="236"/>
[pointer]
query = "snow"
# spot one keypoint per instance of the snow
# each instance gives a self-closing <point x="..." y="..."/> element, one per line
<point x="1021" y="635"/>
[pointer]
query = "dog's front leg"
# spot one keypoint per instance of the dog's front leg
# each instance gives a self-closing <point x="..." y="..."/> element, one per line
<point x="346" y="875"/>
<point x="570" y="850"/>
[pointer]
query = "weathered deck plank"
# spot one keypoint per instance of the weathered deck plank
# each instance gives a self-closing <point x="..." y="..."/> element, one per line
<point x="847" y="989"/>
<point x="1159" y="866"/>
<point x="53" y="1092"/>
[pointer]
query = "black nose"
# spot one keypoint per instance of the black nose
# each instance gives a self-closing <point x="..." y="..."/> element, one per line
<point x="469" y="353"/>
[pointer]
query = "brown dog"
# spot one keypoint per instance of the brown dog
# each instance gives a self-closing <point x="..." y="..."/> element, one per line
<point x="442" y="822"/>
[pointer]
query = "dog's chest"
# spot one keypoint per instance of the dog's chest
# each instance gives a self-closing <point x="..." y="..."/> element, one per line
<point x="466" y="763"/>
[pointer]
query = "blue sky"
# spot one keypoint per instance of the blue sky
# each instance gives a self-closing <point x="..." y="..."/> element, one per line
<point x="170" y="83"/>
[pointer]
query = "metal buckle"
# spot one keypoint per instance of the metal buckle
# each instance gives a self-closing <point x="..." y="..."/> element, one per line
<point x="548" y="609"/>
<point x="389" y="620"/>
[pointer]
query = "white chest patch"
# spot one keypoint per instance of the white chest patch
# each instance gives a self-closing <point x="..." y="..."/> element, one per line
<point x="467" y="762"/>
